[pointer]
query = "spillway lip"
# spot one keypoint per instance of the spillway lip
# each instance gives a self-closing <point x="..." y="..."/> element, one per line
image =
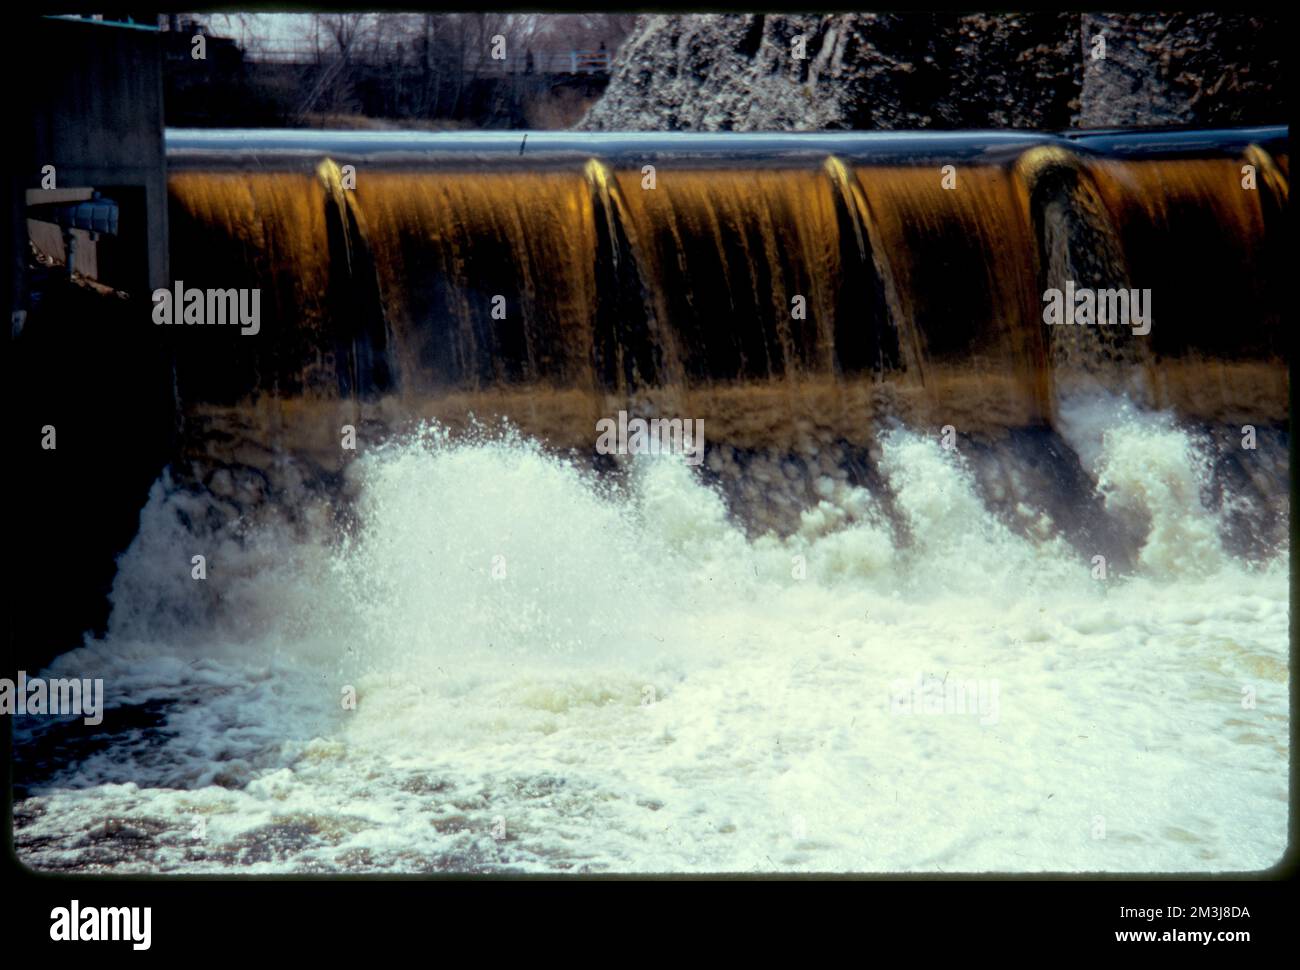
<point x="296" y="148"/>
<point x="302" y="149"/>
<point x="1177" y="141"/>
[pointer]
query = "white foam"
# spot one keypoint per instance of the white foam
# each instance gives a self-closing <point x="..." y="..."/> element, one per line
<point x="647" y="689"/>
<point x="1144" y="462"/>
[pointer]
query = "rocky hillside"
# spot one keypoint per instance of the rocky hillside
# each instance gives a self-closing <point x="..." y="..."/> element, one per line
<point x="934" y="70"/>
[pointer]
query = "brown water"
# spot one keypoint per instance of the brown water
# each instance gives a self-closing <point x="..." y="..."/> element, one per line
<point x="919" y="302"/>
<point x="598" y="666"/>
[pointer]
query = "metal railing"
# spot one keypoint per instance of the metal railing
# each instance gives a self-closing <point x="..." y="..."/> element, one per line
<point x="552" y="62"/>
<point x="526" y="62"/>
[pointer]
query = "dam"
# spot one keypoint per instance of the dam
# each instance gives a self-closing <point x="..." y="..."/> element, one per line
<point x="688" y="286"/>
<point x="920" y="263"/>
<point x="440" y="630"/>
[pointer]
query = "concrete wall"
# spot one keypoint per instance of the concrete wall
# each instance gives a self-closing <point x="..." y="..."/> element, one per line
<point x="87" y="99"/>
<point x="97" y="116"/>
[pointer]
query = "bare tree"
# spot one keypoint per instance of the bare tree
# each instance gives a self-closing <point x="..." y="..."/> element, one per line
<point x="346" y="31"/>
<point x="421" y="65"/>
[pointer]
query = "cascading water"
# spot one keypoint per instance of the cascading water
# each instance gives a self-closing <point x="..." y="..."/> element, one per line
<point x="848" y="641"/>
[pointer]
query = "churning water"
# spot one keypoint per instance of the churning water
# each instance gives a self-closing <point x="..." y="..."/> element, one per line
<point x="556" y="672"/>
<point x="836" y="645"/>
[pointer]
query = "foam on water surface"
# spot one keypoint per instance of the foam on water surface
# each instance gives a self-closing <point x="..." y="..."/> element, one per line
<point x="561" y="671"/>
